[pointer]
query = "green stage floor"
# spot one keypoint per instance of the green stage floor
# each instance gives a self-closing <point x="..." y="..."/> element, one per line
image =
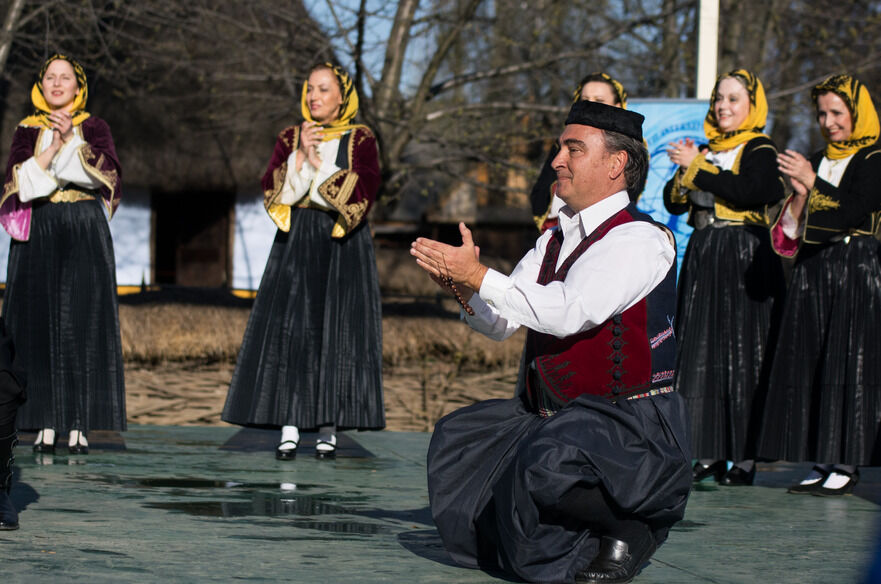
<point x="175" y="507"/>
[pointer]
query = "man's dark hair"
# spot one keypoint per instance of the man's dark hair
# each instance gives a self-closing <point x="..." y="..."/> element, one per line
<point x="637" y="167"/>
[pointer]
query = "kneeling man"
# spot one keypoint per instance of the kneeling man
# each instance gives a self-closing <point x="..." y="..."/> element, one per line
<point x="582" y="474"/>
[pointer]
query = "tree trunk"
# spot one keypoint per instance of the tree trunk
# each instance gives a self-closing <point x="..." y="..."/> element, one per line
<point x="9" y="26"/>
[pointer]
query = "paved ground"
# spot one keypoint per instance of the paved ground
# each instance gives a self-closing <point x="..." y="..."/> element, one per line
<point x="176" y="506"/>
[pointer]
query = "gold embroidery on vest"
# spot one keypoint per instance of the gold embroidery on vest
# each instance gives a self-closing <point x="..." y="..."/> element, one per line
<point x="11" y="187"/>
<point x="699" y="163"/>
<point x="109" y="178"/>
<point x="820" y="202"/>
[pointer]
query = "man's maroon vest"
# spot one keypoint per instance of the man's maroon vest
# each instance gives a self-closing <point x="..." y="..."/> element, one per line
<point x="633" y="354"/>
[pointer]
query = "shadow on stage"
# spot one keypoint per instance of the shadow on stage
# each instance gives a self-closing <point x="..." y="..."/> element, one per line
<point x="22" y="494"/>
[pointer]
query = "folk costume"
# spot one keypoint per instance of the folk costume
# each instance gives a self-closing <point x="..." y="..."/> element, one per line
<point x="729" y="284"/>
<point x="595" y="424"/>
<point x="545" y="205"/>
<point x="60" y="304"/>
<point x="311" y="355"/>
<point x="824" y="403"/>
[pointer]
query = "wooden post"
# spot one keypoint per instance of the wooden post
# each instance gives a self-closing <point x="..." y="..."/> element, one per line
<point x="707" y="48"/>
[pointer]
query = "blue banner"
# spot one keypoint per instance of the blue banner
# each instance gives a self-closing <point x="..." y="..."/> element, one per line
<point x="667" y="121"/>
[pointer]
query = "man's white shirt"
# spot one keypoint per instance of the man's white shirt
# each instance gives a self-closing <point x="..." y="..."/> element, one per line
<point x="613" y="274"/>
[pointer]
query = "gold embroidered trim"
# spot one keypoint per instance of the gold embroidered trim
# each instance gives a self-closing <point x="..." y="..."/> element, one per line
<point x="293" y="140"/>
<point x="540" y="219"/>
<point x="359" y="133"/>
<point x="338" y="189"/>
<point x="109" y="178"/>
<point x="69" y="196"/>
<point x="849" y="233"/>
<point x="350" y="215"/>
<point x="817" y="201"/>
<point x="11" y="187"/>
<point x="279" y="213"/>
<point x="752" y="216"/>
<point x="698" y="164"/>
<point x="678" y="194"/>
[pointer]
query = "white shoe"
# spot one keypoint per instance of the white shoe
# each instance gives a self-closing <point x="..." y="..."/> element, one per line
<point x="77" y="443"/>
<point x="287" y="447"/>
<point x="325" y="446"/>
<point x="45" y="442"/>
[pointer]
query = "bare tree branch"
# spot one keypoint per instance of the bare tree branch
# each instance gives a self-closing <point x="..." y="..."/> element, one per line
<point x="496" y="105"/>
<point x="615" y="32"/>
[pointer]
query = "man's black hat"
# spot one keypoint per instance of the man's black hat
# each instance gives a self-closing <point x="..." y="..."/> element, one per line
<point x="606" y="117"/>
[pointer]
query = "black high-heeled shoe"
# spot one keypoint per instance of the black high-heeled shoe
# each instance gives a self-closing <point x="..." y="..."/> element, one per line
<point x="45" y="447"/>
<point x="286" y="453"/>
<point x="80" y="446"/>
<point x="808" y="488"/>
<point x="325" y="453"/>
<point x="701" y="471"/>
<point x="737" y="477"/>
<point x="845" y="489"/>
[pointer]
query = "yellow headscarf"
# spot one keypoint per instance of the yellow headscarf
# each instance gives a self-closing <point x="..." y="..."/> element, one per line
<point x="77" y="108"/>
<point x="755" y="121"/>
<point x="348" y="108"/>
<point x="601" y="77"/>
<point x="862" y="114"/>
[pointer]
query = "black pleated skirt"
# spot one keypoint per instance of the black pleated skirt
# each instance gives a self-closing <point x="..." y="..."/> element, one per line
<point x="312" y="351"/>
<point x="824" y="402"/>
<point x="730" y="291"/>
<point x="61" y="310"/>
<point x="496" y="473"/>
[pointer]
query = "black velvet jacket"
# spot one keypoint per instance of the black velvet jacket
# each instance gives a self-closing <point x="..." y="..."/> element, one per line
<point x="741" y="194"/>
<point x="853" y="207"/>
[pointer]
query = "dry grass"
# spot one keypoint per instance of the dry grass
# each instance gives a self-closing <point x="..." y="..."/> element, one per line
<point x="180" y="358"/>
<point x="156" y="333"/>
<point x="172" y="332"/>
<point x="419" y="323"/>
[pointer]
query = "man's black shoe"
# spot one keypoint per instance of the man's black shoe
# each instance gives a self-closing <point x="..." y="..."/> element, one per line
<point x="617" y="562"/>
<point x="737" y="477"/>
<point x="701" y="471"/>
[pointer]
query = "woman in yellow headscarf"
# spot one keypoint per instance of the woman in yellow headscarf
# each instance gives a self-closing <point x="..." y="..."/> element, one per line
<point x="60" y="304"/>
<point x="311" y="357"/>
<point x="731" y="282"/>
<point x="824" y="402"/>
<point x="545" y="205"/>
